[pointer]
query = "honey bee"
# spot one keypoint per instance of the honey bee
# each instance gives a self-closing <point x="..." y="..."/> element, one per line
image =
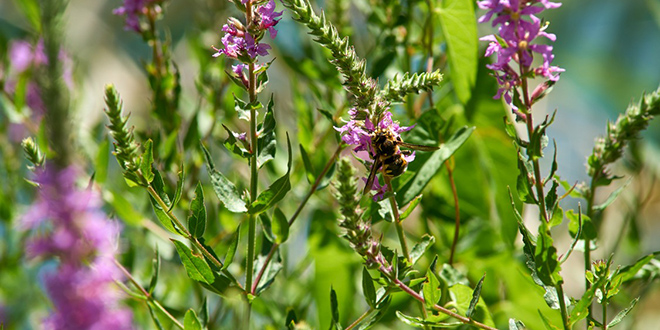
<point x="389" y="156"/>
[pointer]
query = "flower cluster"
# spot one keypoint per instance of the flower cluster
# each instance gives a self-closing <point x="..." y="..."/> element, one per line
<point x="71" y="227"/>
<point x="244" y="43"/>
<point x="133" y="10"/>
<point x="514" y="42"/>
<point x="358" y="133"/>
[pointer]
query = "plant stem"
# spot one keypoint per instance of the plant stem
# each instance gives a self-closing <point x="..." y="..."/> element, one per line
<point x="437" y="307"/>
<point x="457" y="214"/>
<point x="311" y="191"/>
<point x="604" y="315"/>
<point x="397" y="222"/>
<point x="147" y="295"/>
<point x="360" y="319"/>
<point x="587" y="243"/>
<point x="562" y="307"/>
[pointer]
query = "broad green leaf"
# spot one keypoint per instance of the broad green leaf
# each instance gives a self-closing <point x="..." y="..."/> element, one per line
<point x="191" y="322"/>
<point x="197" y="219"/>
<point x="475" y="297"/>
<point x="224" y="189"/>
<point x="269" y="197"/>
<point x="123" y="208"/>
<point x="101" y="162"/>
<point x="368" y="288"/>
<point x="233" y="246"/>
<point x="411" y="207"/>
<point x="581" y="309"/>
<point x="232" y="144"/>
<point x="243" y="108"/>
<point x="588" y="231"/>
<point x="462" y="296"/>
<point x="431" y="290"/>
<point x="147" y="161"/>
<point x="619" y="317"/>
<point x="524" y="184"/>
<point x="420" y="248"/>
<point x="545" y="258"/>
<point x="539" y="140"/>
<point x="267" y="226"/>
<point x="280" y="226"/>
<point x="196" y="267"/>
<point x="266" y="144"/>
<point x="414" y="187"/>
<point x="460" y="31"/>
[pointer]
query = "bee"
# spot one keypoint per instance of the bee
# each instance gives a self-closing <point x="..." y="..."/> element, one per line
<point x="388" y="155"/>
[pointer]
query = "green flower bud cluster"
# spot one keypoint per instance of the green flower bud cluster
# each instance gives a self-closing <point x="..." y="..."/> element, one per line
<point x="125" y="145"/>
<point x="33" y="153"/>
<point x="397" y="88"/>
<point x="610" y="148"/>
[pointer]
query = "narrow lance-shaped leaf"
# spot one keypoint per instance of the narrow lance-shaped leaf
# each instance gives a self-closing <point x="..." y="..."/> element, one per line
<point x="415" y="186"/>
<point x="368" y="288"/>
<point x="195" y="266"/>
<point x="619" y="317"/>
<point x="266" y="144"/>
<point x="420" y="248"/>
<point x="280" y="226"/>
<point x="334" y="305"/>
<point x="197" y="219"/>
<point x="147" y="161"/>
<point x="179" y="188"/>
<point x="475" y="297"/>
<point x="269" y="197"/>
<point x="224" y="189"/>
<point x="233" y="246"/>
<point x="411" y="207"/>
<point x="155" y="270"/>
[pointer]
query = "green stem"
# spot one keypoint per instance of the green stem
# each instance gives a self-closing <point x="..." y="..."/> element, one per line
<point x="147" y="295"/>
<point x="604" y="315"/>
<point x="562" y="307"/>
<point x="360" y="319"/>
<point x="457" y="213"/>
<point x="397" y="222"/>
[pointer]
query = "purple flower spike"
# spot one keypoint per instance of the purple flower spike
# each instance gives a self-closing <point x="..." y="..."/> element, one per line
<point x="269" y="18"/>
<point x="75" y="231"/>
<point x="515" y="45"/>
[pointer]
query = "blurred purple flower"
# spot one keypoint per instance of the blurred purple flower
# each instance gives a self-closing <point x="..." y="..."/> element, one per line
<point x="515" y="42"/>
<point x="132" y="9"/>
<point x="73" y="229"/>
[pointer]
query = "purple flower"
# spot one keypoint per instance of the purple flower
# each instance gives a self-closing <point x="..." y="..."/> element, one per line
<point x="73" y="230"/>
<point x="133" y="9"/>
<point x="358" y="133"/>
<point x="269" y="17"/>
<point x="518" y="30"/>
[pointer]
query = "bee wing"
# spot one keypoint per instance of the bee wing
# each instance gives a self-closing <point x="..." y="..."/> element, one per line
<point x="372" y="175"/>
<point x="417" y="146"/>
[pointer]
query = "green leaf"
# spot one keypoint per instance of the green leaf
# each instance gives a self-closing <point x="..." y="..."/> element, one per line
<point x="628" y="272"/>
<point x="204" y="312"/>
<point x="414" y="186"/>
<point x="196" y="267"/>
<point x="233" y="246"/>
<point x="612" y="197"/>
<point x="588" y="230"/>
<point x="280" y="226"/>
<point x="243" y="108"/>
<point x="368" y="288"/>
<point x="31" y="10"/>
<point x="539" y="140"/>
<point x="179" y="188"/>
<point x="147" y="161"/>
<point x="191" y="322"/>
<point x="420" y="248"/>
<point x="155" y="270"/>
<point x="619" y="317"/>
<point x="266" y="144"/>
<point x="197" y="219"/>
<point x="123" y="207"/>
<point x="547" y="323"/>
<point x="581" y="308"/>
<point x="308" y="164"/>
<point x="163" y="217"/>
<point x="269" y="197"/>
<point x="431" y="290"/>
<point x="433" y="321"/>
<point x="274" y="267"/>
<point x="411" y="207"/>
<point x="159" y="326"/>
<point x="524" y="184"/>
<point x="224" y="189"/>
<point x="460" y="31"/>
<point x="462" y="297"/>
<point x="545" y="258"/>
<point x="231" y="143"/>
<point x="334" y="306"/>
<point x="475" y="297"/>
<point x="101" y="162"/>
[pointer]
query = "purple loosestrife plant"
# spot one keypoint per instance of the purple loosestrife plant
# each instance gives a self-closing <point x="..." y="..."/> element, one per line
<point x="134" y="10"/>
<point x="71" y="228"/>
<point x="514" y="46"/>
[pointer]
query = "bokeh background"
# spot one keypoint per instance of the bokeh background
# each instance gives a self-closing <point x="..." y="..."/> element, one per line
<point x="609" y="48"/>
